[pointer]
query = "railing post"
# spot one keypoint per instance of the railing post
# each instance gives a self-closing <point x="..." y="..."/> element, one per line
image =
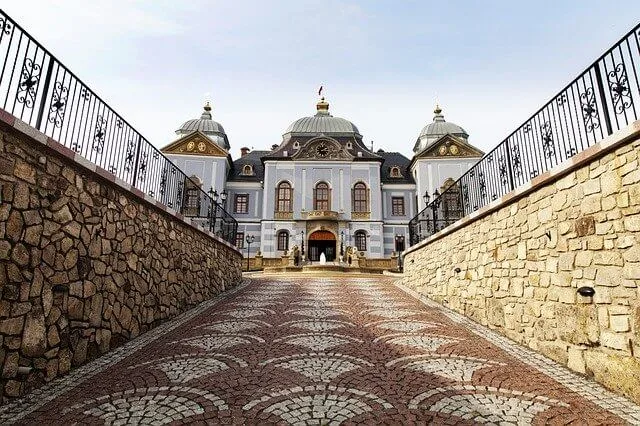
<point x="135" y="167"/>
<point x="509" y="166"/>
<point x="45" y="90"/>
<point x="603" y="99"/>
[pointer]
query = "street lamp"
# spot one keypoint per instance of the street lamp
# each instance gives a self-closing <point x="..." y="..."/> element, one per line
<point x="223" y="197"/>
<point x="341" y="245"/>
<point x="400" y="249"/>
<point x="212" y="209"/>
<point x="426" y="197"/>
<point x="249" y="240"/>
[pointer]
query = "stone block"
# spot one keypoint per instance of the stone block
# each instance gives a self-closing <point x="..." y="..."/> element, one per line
<point x="575" y="359"/>
<point x="618" y="373"/>
<point x="632" y="223"/>
<point x="620" y="323"/>
<point x="613" y="340"/>
<point x="12" y="326"/>
<point x="34" y="339"/>
<point x="578" y="324"/>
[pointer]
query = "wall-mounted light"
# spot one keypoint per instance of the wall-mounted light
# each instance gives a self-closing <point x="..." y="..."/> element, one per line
<point x="586" y="291"/>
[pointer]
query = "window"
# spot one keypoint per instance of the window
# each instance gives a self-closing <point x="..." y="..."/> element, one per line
<point x="247" y="170"/>
<point x="241" y="203"/>
<point x="397" y="206"/>
<point x="283" y="240"/>
<point x="360" y="198"/>
<point x="240" y="240"/>
<point x="193" y="198"/>
<point x="283" y="197"/>
<point x="321" y="197"/>
<point x="361" y="240"/>
<point x="395" y="172"/>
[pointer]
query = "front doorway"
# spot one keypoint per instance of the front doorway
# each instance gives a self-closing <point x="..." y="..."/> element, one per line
<point x="322" y="242"/>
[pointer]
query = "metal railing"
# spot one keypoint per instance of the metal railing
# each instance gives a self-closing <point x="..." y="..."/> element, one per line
<point x="601" y="100"/>
<point x="38" y="89"/>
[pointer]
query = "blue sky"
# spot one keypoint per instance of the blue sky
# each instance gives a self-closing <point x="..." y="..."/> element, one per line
<point x="383" y="64"/>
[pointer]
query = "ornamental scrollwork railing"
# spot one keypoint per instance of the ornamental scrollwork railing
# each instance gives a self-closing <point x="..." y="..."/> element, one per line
<point x="39" y="90"/>
<point x="601" y="100"/>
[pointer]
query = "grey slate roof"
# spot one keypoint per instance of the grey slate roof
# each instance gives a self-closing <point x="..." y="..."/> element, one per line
<point x="208" y="126"/>
<point x="323" y="124"/>
<point x="392" y="159"/>
<point x="252" y="159"/>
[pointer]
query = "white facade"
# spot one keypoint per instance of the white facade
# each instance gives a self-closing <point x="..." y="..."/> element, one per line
<point x="321" y="188"/>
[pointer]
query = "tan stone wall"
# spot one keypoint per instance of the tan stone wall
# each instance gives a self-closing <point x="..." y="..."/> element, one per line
<point x="86" y="265"/>
<point x="520" y="266"/>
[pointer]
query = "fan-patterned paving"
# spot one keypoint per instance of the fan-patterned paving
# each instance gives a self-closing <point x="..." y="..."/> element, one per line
<point x="321" y="351"/>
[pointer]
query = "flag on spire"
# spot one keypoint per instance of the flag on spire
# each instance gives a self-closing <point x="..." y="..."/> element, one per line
<point x="320" y="91"/>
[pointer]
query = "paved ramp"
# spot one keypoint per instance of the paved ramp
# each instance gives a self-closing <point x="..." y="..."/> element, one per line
<point x="321" y="351"/>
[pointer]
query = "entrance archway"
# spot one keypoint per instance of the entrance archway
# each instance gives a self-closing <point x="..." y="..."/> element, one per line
<point x="322" y="242"/>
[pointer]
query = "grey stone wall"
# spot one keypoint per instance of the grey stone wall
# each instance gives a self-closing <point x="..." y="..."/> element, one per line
<point x="86" y="265"/>
<point x="517" y="266"/>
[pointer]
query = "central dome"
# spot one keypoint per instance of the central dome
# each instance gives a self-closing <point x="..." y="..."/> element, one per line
<point x="323" y="123"/>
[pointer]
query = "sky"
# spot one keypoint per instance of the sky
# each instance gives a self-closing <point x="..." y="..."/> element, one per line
<point x="383" y="64"/>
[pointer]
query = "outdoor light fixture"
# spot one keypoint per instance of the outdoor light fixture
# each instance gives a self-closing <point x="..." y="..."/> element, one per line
<point x="223" y="197"/>
<point x="586" y="291"/>
<point x="249" y="239"/>
<point x="214" y="195"/>
<point x="426" y="197"/>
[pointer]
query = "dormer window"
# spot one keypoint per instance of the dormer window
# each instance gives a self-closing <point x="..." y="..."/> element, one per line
<point x="395" y="172"/>
<point x="247" y="170"/>
<point x="296" y="145"/>
<point x="349" y="145"/>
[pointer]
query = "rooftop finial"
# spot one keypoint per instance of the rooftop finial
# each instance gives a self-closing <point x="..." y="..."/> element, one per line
<point x="207" y="106"/>
<point x="322" y="106"/>
<point x="437" y="110"/>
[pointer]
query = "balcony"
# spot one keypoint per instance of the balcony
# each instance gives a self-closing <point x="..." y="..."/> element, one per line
<point x="322" y="215"/>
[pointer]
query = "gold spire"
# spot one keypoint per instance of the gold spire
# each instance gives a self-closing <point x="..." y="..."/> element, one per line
<point x="322" y="105"/>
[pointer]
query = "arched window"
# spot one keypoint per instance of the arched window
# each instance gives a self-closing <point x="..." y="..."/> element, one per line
<point x="360" y="197"/>
<point x="247" y="170"/>
<point x="321" y="197"/>
<point x="283" y="197"/>
<point x="283" y="240"/>
<point x="361" y="240"/>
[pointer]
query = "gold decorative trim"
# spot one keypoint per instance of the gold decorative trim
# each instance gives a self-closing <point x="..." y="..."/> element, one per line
<point x="360" y="215"/>
<point x="283" y="215"/>
<point x="322" y="215"/>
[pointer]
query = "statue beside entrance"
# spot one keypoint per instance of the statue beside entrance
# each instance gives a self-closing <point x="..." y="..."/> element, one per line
<point x="323" y="259"/>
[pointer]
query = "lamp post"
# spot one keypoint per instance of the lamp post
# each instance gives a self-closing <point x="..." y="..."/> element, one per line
<point x="341" y="245"/>
<point x="399" y="244"/>
<point x="302" y="245"/>
<point x="212" y="209"/>
<point x="426" y="197"/>
<point x="249" y="240"/>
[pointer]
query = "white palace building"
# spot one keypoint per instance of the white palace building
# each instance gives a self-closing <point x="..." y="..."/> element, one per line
<point x="321" y="186"/>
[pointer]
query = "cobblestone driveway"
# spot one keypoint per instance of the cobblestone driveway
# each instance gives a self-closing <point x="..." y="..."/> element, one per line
<point x="321" y="351"/>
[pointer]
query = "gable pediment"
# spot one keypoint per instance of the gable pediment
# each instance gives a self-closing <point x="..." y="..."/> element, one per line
<point x="196" y="143"/>
<point x="449" y="146"/>
<point x="323" y="149"/>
